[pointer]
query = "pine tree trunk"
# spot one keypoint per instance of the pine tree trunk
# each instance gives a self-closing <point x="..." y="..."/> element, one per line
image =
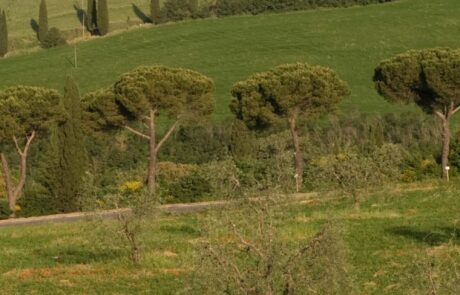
<point x="445" y="147"/>
<point x="152" y="154"/>
<point x="298" y="160"/>
<point x="9" y="186"/>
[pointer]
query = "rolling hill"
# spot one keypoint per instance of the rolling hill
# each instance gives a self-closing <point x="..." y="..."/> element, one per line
<point x="349" y="40"/>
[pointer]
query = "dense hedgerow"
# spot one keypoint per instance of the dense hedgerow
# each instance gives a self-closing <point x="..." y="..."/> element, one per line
<point x="175" y="10"/>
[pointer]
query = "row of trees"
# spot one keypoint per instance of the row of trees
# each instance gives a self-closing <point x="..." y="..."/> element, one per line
<point x="288" y="95"/>
<point x="97" y="17"/>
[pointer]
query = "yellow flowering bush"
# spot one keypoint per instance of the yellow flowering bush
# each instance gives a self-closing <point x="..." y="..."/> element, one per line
<point x="130" y="187"/>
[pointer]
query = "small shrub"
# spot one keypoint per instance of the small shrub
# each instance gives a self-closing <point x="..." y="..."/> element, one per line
<point x="190" y="188"/>
<point x="53" y="39"/>
<point x="4" y="209"/>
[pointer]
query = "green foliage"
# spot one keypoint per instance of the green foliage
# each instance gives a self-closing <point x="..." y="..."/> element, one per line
<point x="177" y="10"/>
<point x="4" y="209"/>
<point x="234" y="7"/>
<point x="102" y="17"/>
<point x="190" y="188"/>
<point x="196" y="144"/>
<point x="355" y="173"/>
<point x="287" y="91"/>
<point x="24" y="109"/>
<point x="454" y="155"/>
<point x="42" y="22"/>
<point x="36" y="201"/>
<point x="155" y="13"/>
<point x="67" y="155"/>
<point x="429" y="78"/>
<point x="172" y="92"/>
<point x="3" y="34"/>
<point x="53" y="38"/>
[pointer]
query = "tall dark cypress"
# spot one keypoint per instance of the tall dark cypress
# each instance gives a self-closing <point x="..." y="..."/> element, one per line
<point x="3" y="34"/>
<point x="70" y="160"/>
<point x="42" y="21"/>
<point x="155" y="11"/>
<point x="102" y="17"/>
<point x="91" y="16"/>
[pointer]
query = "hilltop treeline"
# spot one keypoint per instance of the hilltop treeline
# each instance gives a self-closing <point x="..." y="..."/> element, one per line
<point x="174" y="10"/>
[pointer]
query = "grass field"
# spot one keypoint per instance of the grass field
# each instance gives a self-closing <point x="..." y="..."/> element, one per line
<point x="387" y="242"/>
<point x="351" y="40"/>
<point x="63" y="15"/>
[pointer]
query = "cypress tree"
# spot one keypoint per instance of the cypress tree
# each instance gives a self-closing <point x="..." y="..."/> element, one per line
<point x="91" y="16"/>
<point x="102" y="17"/>
<point x="67" y="165"/>
<point x="42" y="21"/>
<point x="3" y="34"/>
<point x="155" y="11"/>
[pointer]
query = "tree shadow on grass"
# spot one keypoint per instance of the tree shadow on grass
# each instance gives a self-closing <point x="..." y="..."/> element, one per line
<point x="81" y="14"/>
<point x="433" y="237"/>
<point x="81" y="255"/>
<point x="34" y="25"/>
<point x="140" y="14"/>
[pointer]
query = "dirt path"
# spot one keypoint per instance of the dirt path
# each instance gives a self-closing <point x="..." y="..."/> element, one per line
<point x="173" y="209"/>
<point x="108" y="214"/>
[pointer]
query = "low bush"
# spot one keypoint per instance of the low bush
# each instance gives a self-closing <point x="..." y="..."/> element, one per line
<point x="4" y="209"/>
<point x="190" y="188"/>
<point x="53" y="39"/>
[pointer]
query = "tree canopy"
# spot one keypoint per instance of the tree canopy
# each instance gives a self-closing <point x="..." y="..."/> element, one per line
<point x="26" y="109"/>
<point x="176" y="93"/>
<point x="300" y="89"/>
<point x="429" y="78"/>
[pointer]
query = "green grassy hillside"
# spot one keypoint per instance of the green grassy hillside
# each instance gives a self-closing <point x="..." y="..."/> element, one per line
<point x="351" y="40"/>
<point x="390" y="245"/>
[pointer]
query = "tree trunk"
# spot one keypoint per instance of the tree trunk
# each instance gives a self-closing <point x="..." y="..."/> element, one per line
<point x="445" y="148"/>
<point x="152" y="154"/>
<point x="15" y="191"/>
<point x="9" y="185"/>
<point x="297" y="153"/>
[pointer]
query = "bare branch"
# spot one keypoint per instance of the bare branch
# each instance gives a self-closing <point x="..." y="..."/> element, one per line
<point x="247" y="243"/>
<point x="166" y="136"/>
<point x="138" y="133"/>
<point x="18" y="149"/>
<point x="440" y="115"/>
<point x="29" y="141"/>
<point x="456" y="110"/>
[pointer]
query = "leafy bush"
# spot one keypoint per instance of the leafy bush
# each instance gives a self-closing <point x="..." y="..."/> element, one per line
<point x="4" y="209"/>
<point x="190" y="188"/>
<point x="36" y="202"/>
<point x="53" y="39"/>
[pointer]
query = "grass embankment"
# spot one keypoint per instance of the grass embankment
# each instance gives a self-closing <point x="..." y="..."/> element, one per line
<point x="387" y="244"/>
<point x="350" y="40"/>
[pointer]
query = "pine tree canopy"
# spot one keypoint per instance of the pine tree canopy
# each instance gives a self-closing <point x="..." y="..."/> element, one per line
<point x="267" y="98"/>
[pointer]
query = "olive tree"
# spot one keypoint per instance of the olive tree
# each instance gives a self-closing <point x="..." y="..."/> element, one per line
<point x="287" y="93"/>
<point x="25" y="112"/>
<point x="429" y="78"/>
<point x="141" y="96"/>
